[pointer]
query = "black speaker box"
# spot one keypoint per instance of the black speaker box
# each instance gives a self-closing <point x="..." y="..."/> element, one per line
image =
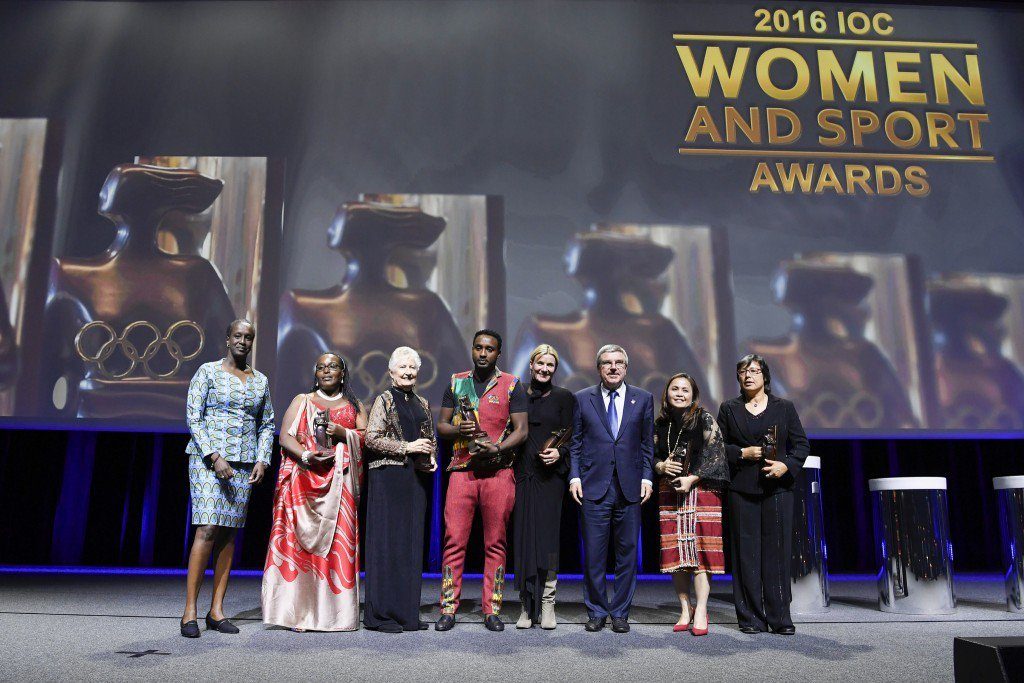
<point x="988" y="659"/>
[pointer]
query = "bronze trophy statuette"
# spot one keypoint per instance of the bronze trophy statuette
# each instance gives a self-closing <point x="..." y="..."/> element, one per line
<point x="680" y="455"/>
<point x="560" y="437"/>
<point x="129" y="327"/>
<point x="348" y="317"/>
<point x="622" y="298"/>
<point x="770" y="443"/>
<point x="320" y="436"/>
<point x="479" y="438"/>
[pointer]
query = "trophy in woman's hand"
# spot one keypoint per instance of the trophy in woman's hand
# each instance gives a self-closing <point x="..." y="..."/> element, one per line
<point x="421" y="461"/>
<point x="680" y="455"/>
<point x="769" y="443"/>
<point x="320" y="436"/>
<point x="559" y="437"/>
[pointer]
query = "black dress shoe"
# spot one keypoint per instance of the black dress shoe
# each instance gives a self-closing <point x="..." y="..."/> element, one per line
<point x="494" y="623"/>
<point x="445" y="623"/>
<point x="390" y="628"/>
<point x="785" y="631"/>
<point x="594" y="624"/>
<point x="424" y="625"/>
<point x="750" y="629"/>
<point x="222" y="626"/>
<point x="190" y="629"/>
<point x="620" y="625"/>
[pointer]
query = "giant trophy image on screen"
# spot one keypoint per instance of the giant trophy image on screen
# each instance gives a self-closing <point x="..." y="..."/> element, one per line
<point x="126" y="329"/>
<point x="23" y="150"/>
<point x="979" y="349"/>
<point x="858" y="356"/>
<point x="662" y="292"/>
<point x="413" y="270"/>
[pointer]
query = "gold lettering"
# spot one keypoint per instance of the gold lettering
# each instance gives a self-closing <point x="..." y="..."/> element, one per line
<point x="915" y="129"/>
<point x="944" y="72"/>
<point x="828" y="179"/>
<point x="797" y="174"/>
<point x="764" y="77"/>
<point x="830" y="74"/>
<point x="734" y="122"/>
<point x="893" y="188"/>
<point x="940" y="125"/>
<point x="974" y="121"/>
<point x="763" y="178"/>
<point x="774" y="136"/>
<point x="826" y="123"/>
<point x="858" y="176"/>
<point x="917" y="181"/>
<point x="702" y="123"/>
<point x="731" y="78"/>
<point x="862" y="121"/>
<point x="896" y="78"/>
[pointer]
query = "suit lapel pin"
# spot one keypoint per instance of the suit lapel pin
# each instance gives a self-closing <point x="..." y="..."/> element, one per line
<point x="633" y="401"/>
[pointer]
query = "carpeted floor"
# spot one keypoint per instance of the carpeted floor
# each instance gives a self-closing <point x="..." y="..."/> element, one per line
<point x="84" y="627"/>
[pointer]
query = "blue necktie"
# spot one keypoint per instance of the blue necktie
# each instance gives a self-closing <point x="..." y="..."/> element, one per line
<point x="613" y="414"/>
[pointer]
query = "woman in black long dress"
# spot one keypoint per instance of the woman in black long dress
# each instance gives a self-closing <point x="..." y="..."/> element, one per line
<point x="540" y="485"/>
<point x="766" y="446"/>
<point x="402" y="452"/>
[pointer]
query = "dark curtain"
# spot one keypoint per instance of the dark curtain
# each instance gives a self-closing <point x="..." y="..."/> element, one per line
<point x="121" y="499"/>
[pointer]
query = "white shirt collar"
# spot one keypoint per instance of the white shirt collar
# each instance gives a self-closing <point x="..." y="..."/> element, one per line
<point x="606" y="392"/>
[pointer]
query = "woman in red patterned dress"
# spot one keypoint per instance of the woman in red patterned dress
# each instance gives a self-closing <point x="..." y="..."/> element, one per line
<point x="689" y="454"/>
<point x="311" y="577"/>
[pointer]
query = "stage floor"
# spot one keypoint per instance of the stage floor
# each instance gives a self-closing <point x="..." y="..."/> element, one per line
<point x="124" y="627"/>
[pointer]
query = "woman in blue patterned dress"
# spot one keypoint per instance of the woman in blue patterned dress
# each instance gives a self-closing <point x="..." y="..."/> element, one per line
<point x="232" y="424"/>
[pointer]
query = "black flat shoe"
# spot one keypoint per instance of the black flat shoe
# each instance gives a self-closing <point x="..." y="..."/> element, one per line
<point x="424" y="625"/>
<point x="445" y="623"/>
<point x="390" y="628"/>
<point x="222" y="626"/>
<point x="620" y="625"/>
<point x="190" y="629"/>
<point x="785" y="631"/>
<point x="750" y="629"/>
<point x="494" y="623"/>
<point x="594" y="624"/>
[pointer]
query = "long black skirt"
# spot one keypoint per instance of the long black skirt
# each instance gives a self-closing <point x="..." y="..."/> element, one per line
<point x="536" y="523"/>
<point x="395" y="509"/>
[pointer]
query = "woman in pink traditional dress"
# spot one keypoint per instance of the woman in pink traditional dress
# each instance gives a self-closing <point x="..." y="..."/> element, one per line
<point x="311" y="577"/>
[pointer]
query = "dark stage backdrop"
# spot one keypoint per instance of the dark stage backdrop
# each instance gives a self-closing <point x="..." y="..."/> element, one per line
<point x="117" y="499"/>
<point x="606" y="171"/>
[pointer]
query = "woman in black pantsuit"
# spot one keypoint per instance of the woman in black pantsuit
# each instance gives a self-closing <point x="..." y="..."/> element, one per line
<point x="760" y="498"/>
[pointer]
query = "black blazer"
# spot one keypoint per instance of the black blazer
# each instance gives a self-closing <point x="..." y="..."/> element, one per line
<point x="737" y="434"/>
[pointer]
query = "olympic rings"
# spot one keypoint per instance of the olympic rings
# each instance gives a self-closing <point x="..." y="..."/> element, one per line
<point x="830" y="409"/>
<point x="373" y="383"/>
<point x="114" y="342"/>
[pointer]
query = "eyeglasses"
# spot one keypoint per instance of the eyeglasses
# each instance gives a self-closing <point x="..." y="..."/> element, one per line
<point x="329" y="366"/>
<point x="753" y="372"/>
<point x="613" y="363"/>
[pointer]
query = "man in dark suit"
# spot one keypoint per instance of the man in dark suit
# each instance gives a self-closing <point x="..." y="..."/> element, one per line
<point x="610" y="469"/>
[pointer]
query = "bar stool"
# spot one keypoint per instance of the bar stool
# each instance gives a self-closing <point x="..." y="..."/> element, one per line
<point x="810" y="556"/>
<point x="1010" y="494"/>
<point x="912" y="545"/>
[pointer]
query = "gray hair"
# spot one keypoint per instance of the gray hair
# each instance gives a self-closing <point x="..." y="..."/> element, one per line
<point x="610" y="348"/>
<point x="400" y="354"/>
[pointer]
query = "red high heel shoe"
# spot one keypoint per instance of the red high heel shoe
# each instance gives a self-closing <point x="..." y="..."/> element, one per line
<point x="701" y="631"/>
<point x="679" y="628"/>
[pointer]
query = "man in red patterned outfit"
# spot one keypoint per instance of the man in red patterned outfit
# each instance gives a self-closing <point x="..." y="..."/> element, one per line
<point x="481" y="474"/>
